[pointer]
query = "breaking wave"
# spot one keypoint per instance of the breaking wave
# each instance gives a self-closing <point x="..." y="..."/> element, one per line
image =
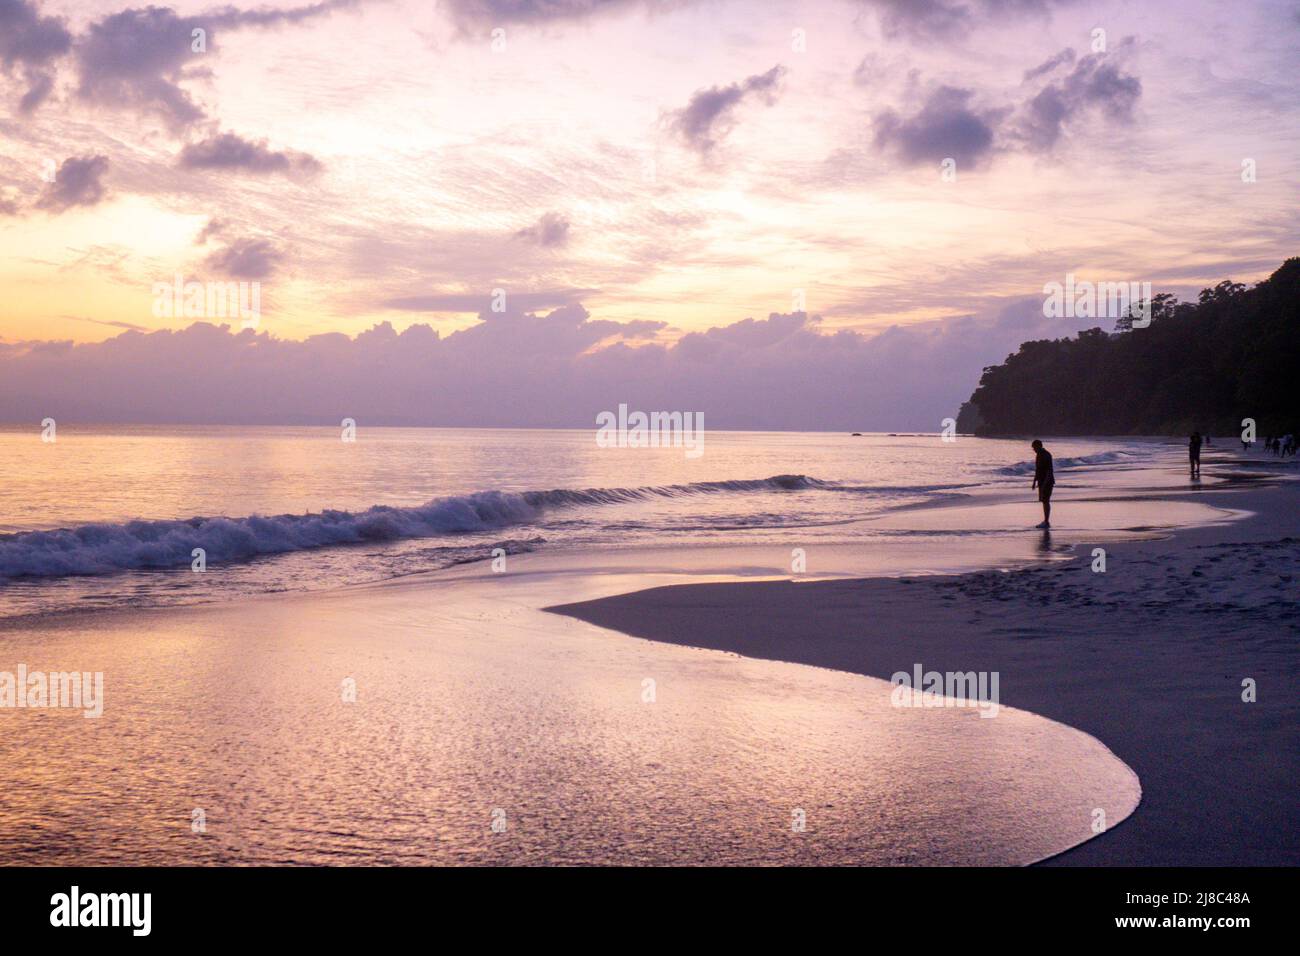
<point x="1101" y="458"/>
<point x="138" y="545"/>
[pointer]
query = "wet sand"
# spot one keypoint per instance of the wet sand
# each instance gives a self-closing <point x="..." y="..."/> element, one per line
<point x="396" y="724"/>
<point x="1148" y="656"/>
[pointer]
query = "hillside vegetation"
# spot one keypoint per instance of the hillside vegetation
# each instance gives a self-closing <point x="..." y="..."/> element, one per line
<point x="1207" y="365"/>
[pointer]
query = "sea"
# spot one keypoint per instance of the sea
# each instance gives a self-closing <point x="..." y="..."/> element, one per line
<point x="114" y="516"/>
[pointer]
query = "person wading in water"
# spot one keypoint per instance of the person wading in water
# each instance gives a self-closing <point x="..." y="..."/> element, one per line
<point x="1044" y="480"/>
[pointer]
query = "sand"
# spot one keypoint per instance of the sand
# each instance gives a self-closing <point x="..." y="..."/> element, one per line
<point x="1148" y="656"/>
<point x="388" y="724"/>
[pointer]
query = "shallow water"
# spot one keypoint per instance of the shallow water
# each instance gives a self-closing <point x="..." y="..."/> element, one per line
<point x="110" y="517"/>
<point x="471" y="706"/>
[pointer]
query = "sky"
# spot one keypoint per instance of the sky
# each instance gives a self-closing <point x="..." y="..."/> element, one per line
<point x="825" y="214"/>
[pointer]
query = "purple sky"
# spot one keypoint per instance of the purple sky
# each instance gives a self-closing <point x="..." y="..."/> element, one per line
<point x="826" y="214"/>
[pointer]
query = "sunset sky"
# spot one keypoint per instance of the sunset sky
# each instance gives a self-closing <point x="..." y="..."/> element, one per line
<point x="671" y="167"/>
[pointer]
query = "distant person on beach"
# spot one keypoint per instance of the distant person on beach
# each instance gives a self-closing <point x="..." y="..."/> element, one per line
<point x="1044" y="480"/>
<point x="1194" y="453"/>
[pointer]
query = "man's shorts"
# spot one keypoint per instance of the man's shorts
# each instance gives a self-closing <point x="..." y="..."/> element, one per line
<point x="1045" y="491"/>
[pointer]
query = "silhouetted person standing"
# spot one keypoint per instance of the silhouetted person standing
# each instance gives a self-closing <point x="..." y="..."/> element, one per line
<point x="1044" y="480"/>
<point x="1194" y="453"/>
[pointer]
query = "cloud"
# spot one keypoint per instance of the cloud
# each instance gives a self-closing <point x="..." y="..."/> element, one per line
<point x="213" y="229"/>
<point x="481" y="302"/>
<point x="522" y="368"/>
<point x="1050" y="64"/>
<point x="113" y="323"/>
<point x="270" y="17"/>
<point x="227" y="151"/>
<point x="1096" y="82"/>
<point x="868" y="71"/>
<point x="39" y="90"/>
<point x="949" y="124"/>
<point x="78" y="182"/>
<point x="246" y="259"/>
<point x="946" y="126"/>
<point x="948" y="19"/>
<point x="29" y="44"/>
<point x="481" y="12"/>
<point x="137" y="58"/>
<point x="710" y="114"/>
<point x="551" y="229"/>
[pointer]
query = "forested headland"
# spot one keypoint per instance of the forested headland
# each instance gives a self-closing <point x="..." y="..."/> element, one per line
<point x="1206" y="365"/>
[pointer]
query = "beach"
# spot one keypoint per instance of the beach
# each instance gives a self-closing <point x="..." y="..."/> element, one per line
<point x="1149" y="657"/>
<point x="393" y="685"/>
<point x="403" y="723"/>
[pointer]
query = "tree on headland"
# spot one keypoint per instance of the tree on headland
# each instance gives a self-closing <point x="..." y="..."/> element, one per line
<point x="1233" y="354"/>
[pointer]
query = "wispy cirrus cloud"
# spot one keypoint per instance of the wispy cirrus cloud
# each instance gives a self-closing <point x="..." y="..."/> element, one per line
<point x="111" y="323"/>
<point x="482" y="302"/>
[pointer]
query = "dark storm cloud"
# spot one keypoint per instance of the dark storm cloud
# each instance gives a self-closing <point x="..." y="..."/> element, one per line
<point x="78" y="182"/>
<point x="710" y="114"/>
